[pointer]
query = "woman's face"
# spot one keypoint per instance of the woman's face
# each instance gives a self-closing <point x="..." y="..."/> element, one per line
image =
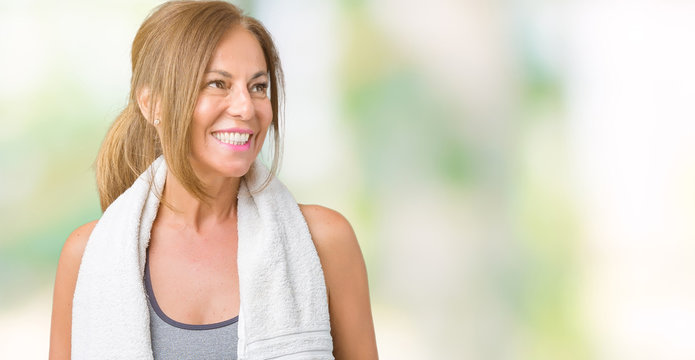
<point x="233" y="111"/>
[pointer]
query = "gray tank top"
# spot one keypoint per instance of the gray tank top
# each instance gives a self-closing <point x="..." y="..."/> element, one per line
<point x="174" y="340"/>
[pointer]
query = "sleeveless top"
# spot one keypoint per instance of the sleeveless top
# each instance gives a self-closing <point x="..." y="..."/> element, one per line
<point x="174" y="340"/>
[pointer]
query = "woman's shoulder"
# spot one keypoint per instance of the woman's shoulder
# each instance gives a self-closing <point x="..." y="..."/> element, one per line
<point x="64" y="289"/>
<point x="346" y="283"/>
<point x="71" y="255"/>
<point x="77" y="241"/>
<point x="334" y="239"/>
<point x="329" y="229"/>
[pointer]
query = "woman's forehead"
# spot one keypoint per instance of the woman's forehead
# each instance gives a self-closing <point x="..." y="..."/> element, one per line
<point x="238" y="51"/>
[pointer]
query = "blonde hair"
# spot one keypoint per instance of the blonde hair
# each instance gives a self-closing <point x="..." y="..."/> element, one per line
<point x="170" y="53"/>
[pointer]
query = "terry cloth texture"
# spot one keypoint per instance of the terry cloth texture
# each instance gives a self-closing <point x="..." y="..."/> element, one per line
<point x="283" y="312"/>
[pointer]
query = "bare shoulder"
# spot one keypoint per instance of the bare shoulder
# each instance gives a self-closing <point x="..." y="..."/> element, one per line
<point x="77" y="241"/>
<point x="328" y="227"/>
<point x="334" y="239"/>
<point x="335" y="243"/>
<point x="345" y="273"/>
<point x="71" y="256"/>
<point x="66" y="279"/>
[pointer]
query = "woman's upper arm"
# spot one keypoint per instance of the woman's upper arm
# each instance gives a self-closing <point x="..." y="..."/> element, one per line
<point x="66" y="278"/>
<point x="352" y="327"/>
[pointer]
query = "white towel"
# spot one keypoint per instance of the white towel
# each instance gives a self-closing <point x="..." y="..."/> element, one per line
<point x="283" y="310"/>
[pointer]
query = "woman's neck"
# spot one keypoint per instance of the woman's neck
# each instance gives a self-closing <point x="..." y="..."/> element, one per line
<point x="189" y="211"/>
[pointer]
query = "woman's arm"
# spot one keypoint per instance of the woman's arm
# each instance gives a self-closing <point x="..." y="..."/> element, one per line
<point x="352" y="327"/>
<point x="66" y="278"/>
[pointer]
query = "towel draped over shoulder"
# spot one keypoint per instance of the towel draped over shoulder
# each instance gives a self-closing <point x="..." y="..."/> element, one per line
<point x="283" y="312"/>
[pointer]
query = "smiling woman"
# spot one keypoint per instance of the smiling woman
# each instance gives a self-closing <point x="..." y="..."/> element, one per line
<point x="230" y="266"/>
<point x="232" y="106"/>
<point x="175" y="59"/>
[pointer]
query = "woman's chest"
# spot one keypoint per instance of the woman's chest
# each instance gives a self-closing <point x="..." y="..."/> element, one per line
<point x="195" y="282"/>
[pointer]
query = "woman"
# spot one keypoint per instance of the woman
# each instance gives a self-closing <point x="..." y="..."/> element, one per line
<point x="222" y="268"/>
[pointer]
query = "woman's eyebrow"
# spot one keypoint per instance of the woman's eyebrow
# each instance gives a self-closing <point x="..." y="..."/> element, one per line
<point x="221" y="72"/>
<point x="228" y="75"/>
<point x="259" y="74"/>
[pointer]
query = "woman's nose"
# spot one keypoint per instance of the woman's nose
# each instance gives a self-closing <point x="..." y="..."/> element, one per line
<point x="240" y="104"/>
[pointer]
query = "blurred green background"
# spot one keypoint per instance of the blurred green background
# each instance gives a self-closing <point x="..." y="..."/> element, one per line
<point x="519" y="173"/>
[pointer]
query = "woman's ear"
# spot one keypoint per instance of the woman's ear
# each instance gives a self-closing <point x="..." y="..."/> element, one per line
<point x="145" y="103"/>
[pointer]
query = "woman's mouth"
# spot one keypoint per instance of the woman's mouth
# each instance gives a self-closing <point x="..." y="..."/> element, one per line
<point x="232" y="138"/>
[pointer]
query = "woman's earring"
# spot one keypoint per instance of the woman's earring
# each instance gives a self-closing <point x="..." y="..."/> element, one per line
<point x="156" y="122"/>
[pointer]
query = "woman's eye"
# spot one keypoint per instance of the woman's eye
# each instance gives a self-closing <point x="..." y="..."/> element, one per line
<point x="218" y="84"/>
<point x="260" y="88"/>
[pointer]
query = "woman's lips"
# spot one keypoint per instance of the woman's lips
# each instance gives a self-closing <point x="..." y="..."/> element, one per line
<point x="236" y="139"/>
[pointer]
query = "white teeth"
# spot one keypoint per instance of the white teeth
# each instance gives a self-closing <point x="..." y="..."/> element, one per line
<point x="232" y="138"/>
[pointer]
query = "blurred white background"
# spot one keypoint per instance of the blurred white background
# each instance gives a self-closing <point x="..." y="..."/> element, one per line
<point x="520" y="174"/>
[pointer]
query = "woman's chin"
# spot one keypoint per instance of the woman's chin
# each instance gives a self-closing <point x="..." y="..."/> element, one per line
<point x="235" y="169"/>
